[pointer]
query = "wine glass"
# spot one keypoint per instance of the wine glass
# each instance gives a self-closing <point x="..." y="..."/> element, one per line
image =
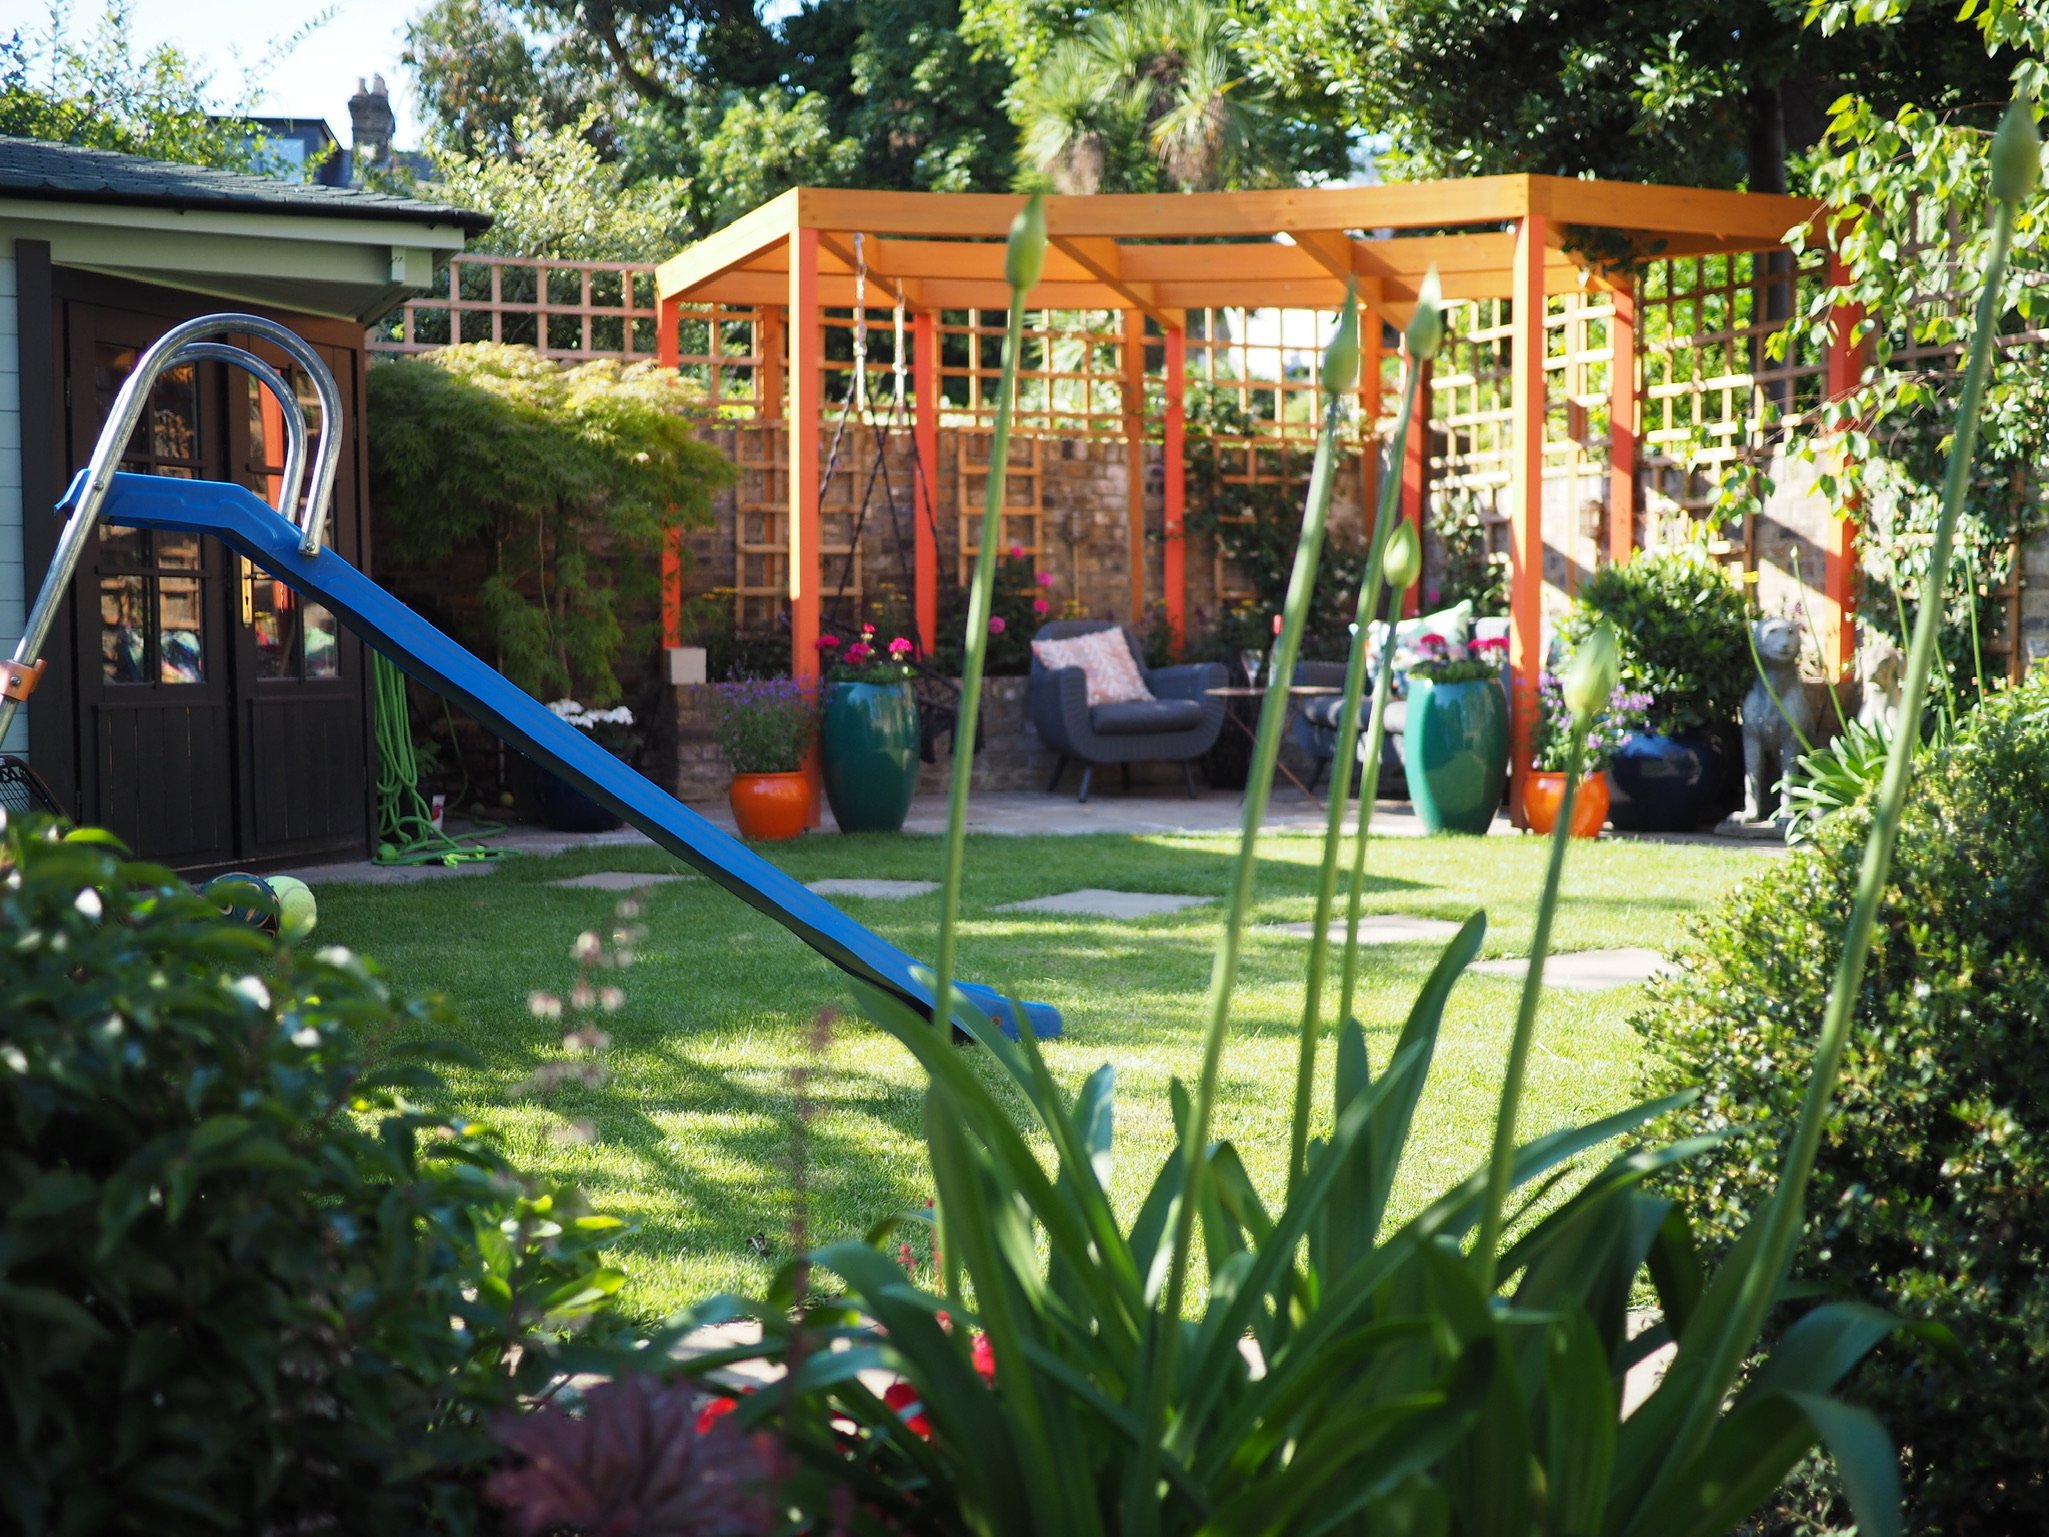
<point x="1250" y="659"/>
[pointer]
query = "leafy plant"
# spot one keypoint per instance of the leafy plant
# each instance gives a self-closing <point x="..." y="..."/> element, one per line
<point x="1834" y="777"/>
<point x="1458" y="1372"/>
<point x="1551" y="745"/>
<point x="1929" y="1191"/>
<point x="557" y="485"/>
<point x="1442" y="660"/>
<point x="1467" y="570"/>
<point x="250" y="1280"/>
<point x="1684" y="631"/>
<point x="1017" y="607"/>
<point x="764" y="726"/>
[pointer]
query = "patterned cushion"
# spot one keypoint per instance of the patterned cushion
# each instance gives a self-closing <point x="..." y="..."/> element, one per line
<point x="1105" y="661"/>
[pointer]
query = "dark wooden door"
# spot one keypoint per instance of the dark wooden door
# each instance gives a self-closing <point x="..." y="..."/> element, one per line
<point x="221" y="720"/>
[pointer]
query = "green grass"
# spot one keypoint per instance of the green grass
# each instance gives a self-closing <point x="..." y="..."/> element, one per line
<point x="695" y="1126"/>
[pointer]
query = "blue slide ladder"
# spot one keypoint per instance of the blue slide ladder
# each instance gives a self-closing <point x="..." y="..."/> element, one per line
<point x="291" y="551"/>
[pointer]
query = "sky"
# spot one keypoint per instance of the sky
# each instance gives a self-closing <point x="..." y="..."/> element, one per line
<point x="233" y="38"/>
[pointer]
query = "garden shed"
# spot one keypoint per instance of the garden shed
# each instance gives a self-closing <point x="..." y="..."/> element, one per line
<point x="202" y="713"/>
<point x="1568" y="379"/>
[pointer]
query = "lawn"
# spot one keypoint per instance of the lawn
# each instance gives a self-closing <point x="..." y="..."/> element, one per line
<point x="694" y="1128"/>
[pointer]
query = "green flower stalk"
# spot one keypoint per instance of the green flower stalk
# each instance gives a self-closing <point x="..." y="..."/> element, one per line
<point x="1023" y="259"/>
<point x="2016" y="161"/>
<point x="1339" y="376"/>
<point x="1589" y="680"/>
<point x="1394" y="549"/>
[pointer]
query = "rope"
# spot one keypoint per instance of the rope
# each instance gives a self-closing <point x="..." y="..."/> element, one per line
<point x="406" y="834"/>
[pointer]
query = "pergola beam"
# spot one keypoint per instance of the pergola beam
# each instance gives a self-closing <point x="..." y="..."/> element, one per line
<point x="1103" y="260"/>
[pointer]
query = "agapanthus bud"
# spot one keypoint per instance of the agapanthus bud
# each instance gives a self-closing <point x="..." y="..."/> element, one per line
<point x="2016" y="154"/>
<point x="1403" y="562"/>
<point x="1426" y="327"/>
<point x="1024" y="258"/>
<point x="1591" y="676"/>
<point x="1341" y="357"/>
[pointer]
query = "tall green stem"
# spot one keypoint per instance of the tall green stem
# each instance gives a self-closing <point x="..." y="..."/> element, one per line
<point x="1783" y="1218"/>
<point x="1343" y="761"/>
<point x="1141" y="1504"/>
<point x="1355" y="898"/>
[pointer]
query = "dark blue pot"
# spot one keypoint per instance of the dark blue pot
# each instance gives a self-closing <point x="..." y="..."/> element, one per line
<point x="1666" y="784"/>
<point x="567" y="809"/>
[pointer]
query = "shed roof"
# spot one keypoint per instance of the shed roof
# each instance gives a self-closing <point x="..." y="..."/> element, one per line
<point x="69" y="173"/>
<point x="1161" y="253"/>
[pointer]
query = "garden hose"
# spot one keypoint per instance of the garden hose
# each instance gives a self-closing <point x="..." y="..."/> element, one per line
<point x="406" y="834"/>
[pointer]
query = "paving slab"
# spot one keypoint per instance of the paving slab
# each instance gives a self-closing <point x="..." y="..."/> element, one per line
<point x="1094" y="902"/>
<point x="1589" y="971"/>
<point x="1376" y="929"/>
<point x="878" y="890"/>
<point x="620" y="880"/>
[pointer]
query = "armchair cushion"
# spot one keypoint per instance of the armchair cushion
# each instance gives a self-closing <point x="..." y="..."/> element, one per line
<point x="1105" y="661"/>
<point x="1144" y="717"/>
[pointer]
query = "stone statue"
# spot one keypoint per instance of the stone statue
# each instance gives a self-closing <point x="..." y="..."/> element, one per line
<point x="1774" y="729"/>
<point x="1881" y="672"/>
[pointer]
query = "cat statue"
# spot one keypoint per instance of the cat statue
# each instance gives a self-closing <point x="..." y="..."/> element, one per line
<point x="1773" y="729"/>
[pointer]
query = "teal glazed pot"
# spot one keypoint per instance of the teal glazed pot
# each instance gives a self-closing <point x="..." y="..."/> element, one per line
<point x="869" y="741"/>
<point x="1455" y="753"/>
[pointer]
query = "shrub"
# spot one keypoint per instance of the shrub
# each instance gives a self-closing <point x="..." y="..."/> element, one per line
<point x="764" y="726"/>
<point x="1932" y="1192"/>
<point x="1681" y="620"/>
<point x="557" y="484"/>
<point x="249" y="1281"/>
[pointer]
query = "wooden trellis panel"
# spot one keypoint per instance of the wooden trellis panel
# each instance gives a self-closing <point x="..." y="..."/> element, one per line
<point x="1070" y="380"/>
<point x="761" y="530"/>
<point x="565" y="309"/>
<point x="1024" y="496"/>
<point x="1273" y="380"/>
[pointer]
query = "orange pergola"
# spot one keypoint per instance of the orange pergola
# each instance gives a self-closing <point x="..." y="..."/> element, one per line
<point x="1518" y="238"/>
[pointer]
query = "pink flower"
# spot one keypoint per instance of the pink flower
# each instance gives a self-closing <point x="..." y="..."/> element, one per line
<point x="1044" y="579"/>
<point x="900" y="647"/>
<point x="1017" y="552"/>
<point x="867" y="629"/>
<point x="827" y="643"/>
<point x="996" y="624"/>
<point x="1433" y="642"/>
<point x="1041" y="607"/>
<point x="859" y="652"/>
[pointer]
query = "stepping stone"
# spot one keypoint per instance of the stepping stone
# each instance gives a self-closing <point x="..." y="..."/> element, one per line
<point x="880" y="891"/>
<point x="1588" y="971"/>
<point x="1093" y="902"/>
<point x="617" y="880"/>
<point x="1376" y="929"/>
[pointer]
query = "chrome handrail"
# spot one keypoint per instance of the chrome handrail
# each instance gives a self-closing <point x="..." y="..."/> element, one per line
<point x="185" y="342"/>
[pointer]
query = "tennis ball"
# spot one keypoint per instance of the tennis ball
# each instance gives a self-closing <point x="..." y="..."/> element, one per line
<point x="297" y="911"/>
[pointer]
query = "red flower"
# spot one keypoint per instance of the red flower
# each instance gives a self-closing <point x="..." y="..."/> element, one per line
<point x="859" y="652"/>
<point x="996" y="624"/>
<point x="901" y="1396"/>
<point x="867" y="629"/>
<point x="1041" y="607"/>
<point x="1433" y="642"/>
<point x="827" y="643"/>
<point x="713" y="1412"/>
<point x="985" y="1358"/>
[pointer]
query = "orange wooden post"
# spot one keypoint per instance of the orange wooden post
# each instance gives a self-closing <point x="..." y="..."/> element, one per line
<point x="1174" y="572"/>
<point x="1133" y="402"/>
<point x="1622" y="426"/>
<point x="1846" y="359"/>
<point x="1526" y="470"/>
<point x="925" y="432"/>
<point x="1369" y="417"/>
<point x="1416" y="471"/>
<point x="807" y="351"/>
<point x="669" y="354"/>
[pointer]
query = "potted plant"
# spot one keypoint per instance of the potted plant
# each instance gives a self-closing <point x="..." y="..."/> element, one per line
<point x="869" y="735"/>
<point x="563" y="806"/>
<point x="765" y="727"/>
<point x="1551" y="750"/>
<point x="1681" y="620"/>
<point x="1455" y="734"/>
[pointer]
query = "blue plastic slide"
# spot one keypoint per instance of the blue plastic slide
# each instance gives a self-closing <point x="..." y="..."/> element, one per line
<point x="252" y="528"/>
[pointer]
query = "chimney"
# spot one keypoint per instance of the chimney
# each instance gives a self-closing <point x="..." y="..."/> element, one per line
<point x="371" y="122"/>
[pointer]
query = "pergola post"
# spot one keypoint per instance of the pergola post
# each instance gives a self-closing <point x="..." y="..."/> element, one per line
<point x="1416" y="470"/>
<point x="668" y="354"/>
<point x="1133" y="401"/>
<point x="1174" y="573"/>
<point x="1622" y="425"/>
<point x="1526" y="471"/>
<point x="1846" y="358"/>
<point x="1370" y="345"/>
<point x="807" y="382"/>
<point x="925" y="437"/>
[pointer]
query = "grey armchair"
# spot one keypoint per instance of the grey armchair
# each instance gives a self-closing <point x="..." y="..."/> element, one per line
<point x="1177" y="725"/>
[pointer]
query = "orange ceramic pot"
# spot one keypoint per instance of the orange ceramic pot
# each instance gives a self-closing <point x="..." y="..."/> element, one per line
<point x="771" y="807"/>
<point x="1544" y="793"/>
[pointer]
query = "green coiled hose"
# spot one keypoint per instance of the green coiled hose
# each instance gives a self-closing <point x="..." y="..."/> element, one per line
<point x="406" y="834"/>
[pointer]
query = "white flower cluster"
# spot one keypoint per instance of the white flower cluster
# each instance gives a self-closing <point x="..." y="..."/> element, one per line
<point x="584" y="719"/>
